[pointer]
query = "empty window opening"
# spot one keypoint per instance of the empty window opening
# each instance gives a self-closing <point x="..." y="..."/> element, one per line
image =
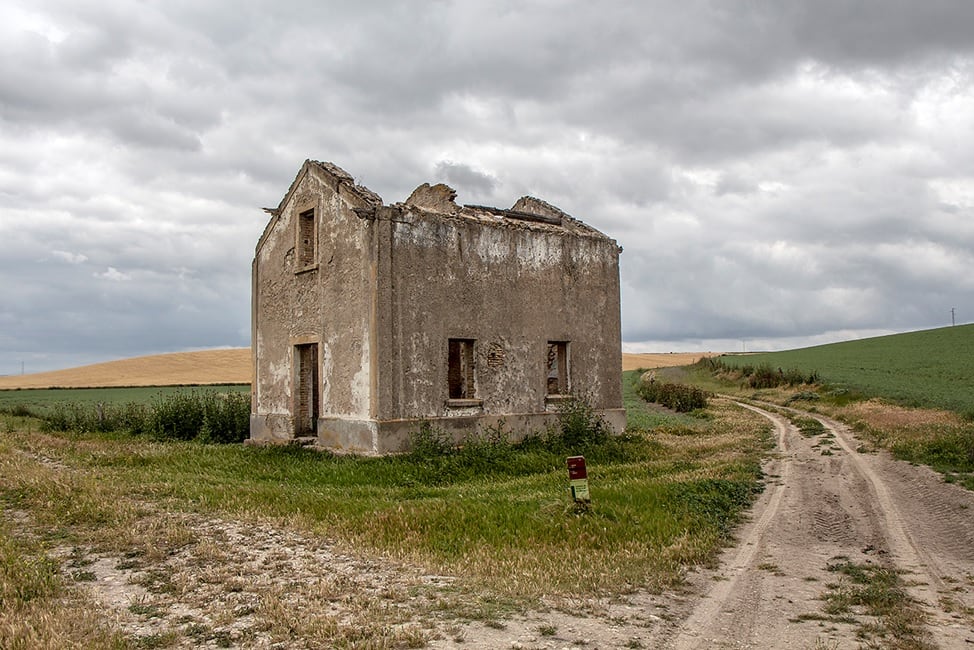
<point x="461" y="369"/>
<point x="306" y="239"/>
<point x="306" y="389"/>
<point x="558" y="368"/>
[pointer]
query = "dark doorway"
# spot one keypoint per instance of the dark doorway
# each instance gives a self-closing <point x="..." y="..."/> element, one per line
<point x="306" y="390"/>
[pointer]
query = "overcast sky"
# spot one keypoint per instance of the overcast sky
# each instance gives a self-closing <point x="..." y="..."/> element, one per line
<point x="779" y="173"/>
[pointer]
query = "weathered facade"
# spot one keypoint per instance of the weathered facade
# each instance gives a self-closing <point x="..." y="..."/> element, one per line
<point x="369" y="319"/>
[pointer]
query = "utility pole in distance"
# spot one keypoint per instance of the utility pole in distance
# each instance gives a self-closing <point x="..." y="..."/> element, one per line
<point x="952" y="317"/>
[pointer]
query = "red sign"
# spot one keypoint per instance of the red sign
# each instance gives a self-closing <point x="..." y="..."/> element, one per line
<point x="576" y="468"/>
<point x="578" y="478"/>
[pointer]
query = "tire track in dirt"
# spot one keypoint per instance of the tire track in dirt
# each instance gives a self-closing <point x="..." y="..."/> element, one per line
<point x="928" y="530"/>
<point x="698" y="628"/>
<point x="829" y="502"/>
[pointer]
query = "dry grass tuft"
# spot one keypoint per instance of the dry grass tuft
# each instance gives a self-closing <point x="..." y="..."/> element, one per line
<point x="882" y="415"/>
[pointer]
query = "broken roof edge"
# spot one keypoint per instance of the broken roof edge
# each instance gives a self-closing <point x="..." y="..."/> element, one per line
<point x="339" y="176"/>
<point x="439" y="200"/>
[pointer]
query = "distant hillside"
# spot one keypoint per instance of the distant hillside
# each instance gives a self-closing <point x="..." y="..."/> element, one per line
<point x="933" y="368"/>
<point x="217" y="367"/>
<point x="230" y="366"/>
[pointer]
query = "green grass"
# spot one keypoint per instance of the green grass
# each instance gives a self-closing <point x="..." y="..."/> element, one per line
<point x="932" y="368"/>
<point x="643" y="416"/>
<point x="912" y="374"/>
<point x="41" y="400"/>
<point x="874" y="597"/>
<point x="495" y="512"/>
<point x="496" y="515"/>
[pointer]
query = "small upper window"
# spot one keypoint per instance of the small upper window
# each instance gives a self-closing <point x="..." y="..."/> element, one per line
<point x="307" y="240"/>
<point x="460" y="375"/>
<point x="558" y="383"/>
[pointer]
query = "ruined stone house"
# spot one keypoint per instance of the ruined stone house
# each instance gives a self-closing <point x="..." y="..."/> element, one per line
<point x="369" y="319"/>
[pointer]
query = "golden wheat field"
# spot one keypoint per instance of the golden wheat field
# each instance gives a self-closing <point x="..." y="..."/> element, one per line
<point x="225" y="366"/>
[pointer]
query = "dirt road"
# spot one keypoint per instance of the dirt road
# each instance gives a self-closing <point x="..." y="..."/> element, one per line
<point x="828" y="504"/>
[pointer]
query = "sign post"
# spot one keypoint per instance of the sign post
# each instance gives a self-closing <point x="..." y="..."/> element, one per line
<point x="578" y="479"/>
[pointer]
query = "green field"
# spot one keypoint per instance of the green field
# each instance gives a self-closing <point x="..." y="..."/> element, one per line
<point x="42" y="399"/>
<point x="664" y="496"/>
<point x="932" y="368"/>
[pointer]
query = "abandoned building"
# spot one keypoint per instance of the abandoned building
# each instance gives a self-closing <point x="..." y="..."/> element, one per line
<point x="370" y="319"/>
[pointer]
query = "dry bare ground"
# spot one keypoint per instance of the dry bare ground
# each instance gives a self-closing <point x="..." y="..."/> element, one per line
<point x="229" y="366"/>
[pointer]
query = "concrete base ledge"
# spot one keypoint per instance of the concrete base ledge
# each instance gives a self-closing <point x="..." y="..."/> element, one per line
<point x="377" y="437"/>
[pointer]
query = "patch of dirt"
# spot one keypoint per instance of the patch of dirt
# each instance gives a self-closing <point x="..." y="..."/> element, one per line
<point x="262" y="586"/>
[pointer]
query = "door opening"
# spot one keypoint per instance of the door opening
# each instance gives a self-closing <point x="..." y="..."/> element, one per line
<point x="306" y="390"/>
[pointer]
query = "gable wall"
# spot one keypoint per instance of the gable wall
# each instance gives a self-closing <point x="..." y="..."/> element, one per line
<point x="330" y="306"/>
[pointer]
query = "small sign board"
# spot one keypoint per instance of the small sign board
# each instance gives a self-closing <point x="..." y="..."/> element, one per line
<point x="578" y="478"/>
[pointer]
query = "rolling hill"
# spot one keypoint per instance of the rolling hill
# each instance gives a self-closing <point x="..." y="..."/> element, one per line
<point x="225" y="366"/>
<point x="932" y="368"/>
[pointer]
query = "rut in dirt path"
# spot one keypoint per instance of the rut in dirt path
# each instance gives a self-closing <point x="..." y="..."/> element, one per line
<point x="827" y="502"/>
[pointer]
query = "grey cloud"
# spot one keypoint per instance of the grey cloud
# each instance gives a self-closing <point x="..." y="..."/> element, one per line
<point x="780" y="170"/>
<point x="465" y="177"/>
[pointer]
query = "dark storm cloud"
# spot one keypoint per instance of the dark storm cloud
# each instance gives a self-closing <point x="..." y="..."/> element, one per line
<point x="777" y="172"/>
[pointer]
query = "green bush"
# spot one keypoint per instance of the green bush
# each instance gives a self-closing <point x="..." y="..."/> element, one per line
<point x="88" y="418"/>
<point x="226" y="418"/>
<point x="201" y="415"/>
<point x="436" y="459"/>
<point x="17" y="410"/>
<point x="762" y="376"/>
<point x="679" y="397"/>
<point x="204" y="415"/>
<point x="177" y="417"/>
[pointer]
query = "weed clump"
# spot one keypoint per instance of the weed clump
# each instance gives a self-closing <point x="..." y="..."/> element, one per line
<point x="580" y="425"/>
<point x="682" y="398"/>
<point x="205" y="416"/>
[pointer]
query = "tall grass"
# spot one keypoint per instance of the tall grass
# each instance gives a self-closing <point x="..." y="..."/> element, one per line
<point x="204" y="415"/>
<point x="682" y="398"/>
